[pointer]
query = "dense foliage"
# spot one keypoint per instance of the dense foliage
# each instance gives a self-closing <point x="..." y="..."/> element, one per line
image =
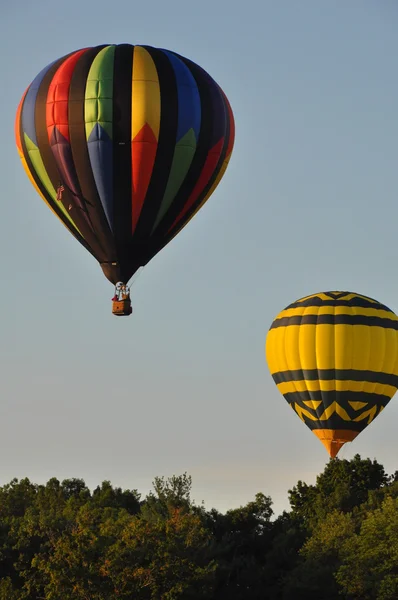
<point x="60" y="541"/>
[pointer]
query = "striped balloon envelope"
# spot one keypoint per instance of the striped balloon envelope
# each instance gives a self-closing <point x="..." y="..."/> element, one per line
<point x="125" y="144"/>
<point x="334" y="357"/>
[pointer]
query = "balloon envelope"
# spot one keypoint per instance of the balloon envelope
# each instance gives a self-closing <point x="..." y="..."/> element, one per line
<point x="334" y="357"/>
<point x="125" y="144"/>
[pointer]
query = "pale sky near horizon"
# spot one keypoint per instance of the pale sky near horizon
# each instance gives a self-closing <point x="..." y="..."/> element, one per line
<point x="308" y="203"/>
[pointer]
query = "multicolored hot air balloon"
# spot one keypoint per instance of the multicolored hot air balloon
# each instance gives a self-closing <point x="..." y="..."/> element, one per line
<point x="334" y="357"/>
<point x="125" y="144"/>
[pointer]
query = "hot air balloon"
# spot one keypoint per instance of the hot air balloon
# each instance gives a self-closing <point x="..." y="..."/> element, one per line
<point x="334" y="357"/>
<point x="125" y="144"/>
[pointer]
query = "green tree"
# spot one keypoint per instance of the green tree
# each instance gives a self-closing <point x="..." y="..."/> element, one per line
<point x="108" y="496"/>
<point x="98" y="550"/>
<point x="70" y="566"/>
<point x="59" y="541"/>
<point x="7" y="591"/>
<point x="162" y="559"/>
<point x="288" y="536"/>
<point x="313" y="577"/>
<point x="343" y="485"/>
<point x="242" y="539"/>
<point x="370" y="559"/>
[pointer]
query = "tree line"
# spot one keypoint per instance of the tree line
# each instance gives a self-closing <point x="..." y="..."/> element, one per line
<point x="61" y="541"/>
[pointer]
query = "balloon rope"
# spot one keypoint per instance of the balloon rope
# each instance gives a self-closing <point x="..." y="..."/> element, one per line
<point x="134" y="280"/>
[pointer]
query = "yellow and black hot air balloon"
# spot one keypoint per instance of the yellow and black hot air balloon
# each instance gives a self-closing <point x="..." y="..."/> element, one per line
<point x="334" y="357"/>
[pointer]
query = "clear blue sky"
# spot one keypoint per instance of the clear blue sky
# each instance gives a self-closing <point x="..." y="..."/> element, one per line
<point x="308" y="203"/>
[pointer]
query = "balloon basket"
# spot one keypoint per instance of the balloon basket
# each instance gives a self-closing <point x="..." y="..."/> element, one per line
<point x="122" y="308"/>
